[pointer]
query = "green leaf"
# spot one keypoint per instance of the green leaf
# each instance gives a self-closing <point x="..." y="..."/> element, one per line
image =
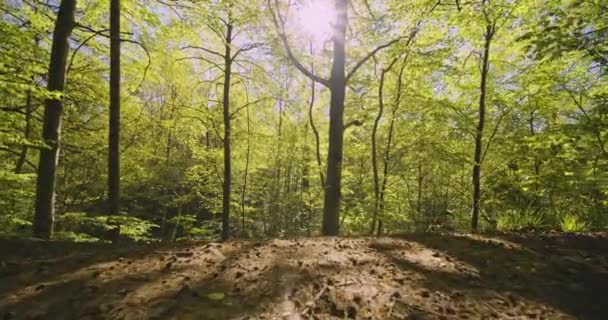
<point x="216" y="296"/>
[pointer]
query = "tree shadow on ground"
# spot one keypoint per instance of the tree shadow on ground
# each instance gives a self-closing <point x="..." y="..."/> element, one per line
<point x="103" y="280"/>
<point x="508" y="268"/>
<point x="193" y="281"/>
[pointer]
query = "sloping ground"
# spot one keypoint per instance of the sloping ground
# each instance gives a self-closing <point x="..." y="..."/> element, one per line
<point x="423" y="276"/>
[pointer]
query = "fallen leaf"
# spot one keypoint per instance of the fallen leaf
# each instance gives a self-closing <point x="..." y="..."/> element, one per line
<point x="216" y="296"/>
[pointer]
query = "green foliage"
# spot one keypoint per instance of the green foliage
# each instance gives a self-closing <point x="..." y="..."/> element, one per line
<point x="83" y="226"/>
<point x="573" y="223"/>
<point x="516" y="221"/>
<point x="75" y="237"/>
<point x="15" y="201"/>
<point x="544" y="144"/>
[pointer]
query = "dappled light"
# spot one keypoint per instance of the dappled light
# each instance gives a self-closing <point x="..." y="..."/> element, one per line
<point x="303" y="159"/>
<point x="451" y="277"/>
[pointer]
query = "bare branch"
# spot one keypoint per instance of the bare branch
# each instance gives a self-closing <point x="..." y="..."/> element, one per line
<point x="82" y="44"/>
<point x="18" y="154"/>
<point x="202" y="58"/>
<point x="217" y="32"/>
<point x="409" y="38"/>
<point x="101" y="33"/>
<point x="281" y="29"/>
<point x="246" y="48"/>
<point x="204" y="49"/>
<point x="356" y="123"/>
<point x="247" y="105"/>
<point x="498" y="122"/>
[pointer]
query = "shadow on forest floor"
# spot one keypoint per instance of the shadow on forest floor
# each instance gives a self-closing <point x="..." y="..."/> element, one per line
<point x="564" y="272"/>
<point x="415" y="276"/>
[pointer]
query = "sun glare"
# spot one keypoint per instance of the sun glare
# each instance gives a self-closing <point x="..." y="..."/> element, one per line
<point x="315" y="19"/>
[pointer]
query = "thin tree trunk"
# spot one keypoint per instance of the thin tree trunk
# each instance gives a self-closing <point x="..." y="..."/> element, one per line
<point x="26" y="132"/>
<point x="247" y="156"/>
<point x="387" y="150"/>
<point x="312" y="124"/>
<point x="303" y="182"/>
<point x="51" y="128"/>
<point x="29" y="109"/>
<point x="227" y="162"/>
<point x="374" y="155"/>
<point x="277" y="208"/>
<point x="331" y="203"/>
<point x="476" y="176"/>
<point x="419" y="197"/>
<point x="387" y="156"/>
<point x="177" y="223"/>
<point x="374" y="146"/>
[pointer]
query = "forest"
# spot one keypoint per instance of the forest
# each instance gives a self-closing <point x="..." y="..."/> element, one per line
<point x="431" y="136"/>
<point x="272" y="119"/>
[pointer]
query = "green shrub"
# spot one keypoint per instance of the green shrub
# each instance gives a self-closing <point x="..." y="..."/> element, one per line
<point x="515" y="221"/>
<point x="572" y="223"/>
<point x="79" y="224"/>
<point x="73" y="236"/>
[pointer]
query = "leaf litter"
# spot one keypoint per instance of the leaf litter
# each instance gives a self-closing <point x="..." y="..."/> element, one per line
<point x="415" y="276"/>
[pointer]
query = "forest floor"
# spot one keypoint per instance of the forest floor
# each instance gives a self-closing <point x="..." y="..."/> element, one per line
<point x="417" y="276"/>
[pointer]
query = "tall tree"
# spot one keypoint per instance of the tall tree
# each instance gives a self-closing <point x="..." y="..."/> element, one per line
<point x="337" y="86"/>
<point x="490" y="27"/>
<point x="114" y="131"/>
<point x="225" y="24"/>
<point x="49" y="156"/>
<point x="226" y="116"/>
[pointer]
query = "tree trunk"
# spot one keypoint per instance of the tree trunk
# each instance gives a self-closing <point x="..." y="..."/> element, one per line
<point x="375" y="155"/>
<point x="51" y="128"/>
<point x="276" y="201"/>
<point x="419" y="196"/>
<point x="303" y="183"/>
<point x="331" y="203"/>
<point x="114" y="132"/>
<point x="227" y="162"/>
<point x="387" y="150"/>
<point x="26" y="132"/>
<point x="312" y="124"/>
<point x="476" y="176"/>
<point x="247" y="157"/>
<point x="377" y="195"/>
<point x="178" y="221"/>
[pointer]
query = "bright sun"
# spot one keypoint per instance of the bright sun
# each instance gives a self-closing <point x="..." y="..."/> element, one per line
<point x="314" y="19"/>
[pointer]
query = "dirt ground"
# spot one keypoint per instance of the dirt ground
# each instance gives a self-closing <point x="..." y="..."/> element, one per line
<point x="417" y="276"/>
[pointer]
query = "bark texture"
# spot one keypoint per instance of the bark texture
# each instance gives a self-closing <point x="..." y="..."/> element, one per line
<point x="51" y="127"/>
<point x="337" y="83"/>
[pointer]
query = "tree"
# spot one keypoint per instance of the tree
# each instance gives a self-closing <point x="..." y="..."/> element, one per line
<point x="377" y="196"/>
<point x="477" y="155"/>
<point x="337" y="86"/>
<point x="114" y="125"/>
<point x="49" y="156"/>
<point x="224" y="25"/>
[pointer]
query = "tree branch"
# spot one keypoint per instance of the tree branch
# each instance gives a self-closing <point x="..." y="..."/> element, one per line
<point x="249" y="47"/>
<point x="361" y="62"/>
<point x="281" y="29"/>
<point x="204" y="59"/>
<point x="18" y="154"/>
<point x="247" y="105"/>
<point x="204" y="49"/>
